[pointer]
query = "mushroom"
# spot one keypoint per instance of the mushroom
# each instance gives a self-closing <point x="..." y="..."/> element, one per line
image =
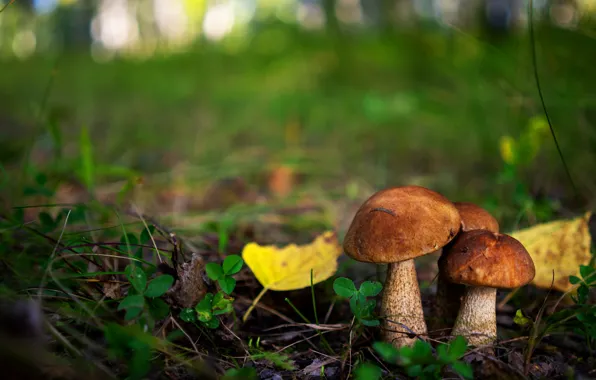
<point x="394" y="226"/>
<point x="448" y="297"/>
<point x="484" y="261"/>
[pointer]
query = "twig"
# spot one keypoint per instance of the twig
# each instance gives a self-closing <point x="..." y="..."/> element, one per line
<point x="6" y="5"/>
<point x="194" y="346"/>
<point x="335" y="327"/>
<point x="147" y="228"/>
<point x="45" y="273"/>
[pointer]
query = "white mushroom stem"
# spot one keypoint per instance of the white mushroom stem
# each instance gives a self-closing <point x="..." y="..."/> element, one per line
<point x="401" y="305"/>
<point x="477" y="319"/>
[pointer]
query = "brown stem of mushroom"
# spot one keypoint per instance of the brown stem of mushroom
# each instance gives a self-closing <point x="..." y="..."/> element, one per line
<point x="446" y="306"/>
<point x="477" y="319"/>
<point x="402" y="303"/>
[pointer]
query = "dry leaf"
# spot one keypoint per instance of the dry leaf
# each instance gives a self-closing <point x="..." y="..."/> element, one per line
<point x="560" y="246"/>
<point x="289" y="268"/>
<point x="190" y="287"/>
<point x="112" y="290"/>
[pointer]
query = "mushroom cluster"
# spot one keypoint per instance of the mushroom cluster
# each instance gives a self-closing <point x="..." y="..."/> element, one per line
<point x="484" y="261"/>
<point x="396" y="225"/>
<point x="448" y="298"/>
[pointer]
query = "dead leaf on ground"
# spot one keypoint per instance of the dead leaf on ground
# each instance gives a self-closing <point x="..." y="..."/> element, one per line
<point x="560" y="246"/>
<point x="289" y="268"/>
<point x="111" y="289"/>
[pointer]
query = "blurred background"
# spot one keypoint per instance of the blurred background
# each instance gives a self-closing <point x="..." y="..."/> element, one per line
<point x="206" y="104"/>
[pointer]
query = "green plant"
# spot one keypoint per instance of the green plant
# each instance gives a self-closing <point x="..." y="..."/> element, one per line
<point x="581" y="318"/>
<point x="367" y="371"/>
<point x="219" y="303"/>
<point x="244" y="373"/>
<point x="132" y="344"/>
<point x="278" y="359"/>
<point x="518" y="155"/>
<point x="130" y="240"/>
<point x="223" y="273"/>
<point x="145" y="296"/>
<point x="420" y="362"/>
<point x="362" y="307"/>
<point x="208" y="309"/>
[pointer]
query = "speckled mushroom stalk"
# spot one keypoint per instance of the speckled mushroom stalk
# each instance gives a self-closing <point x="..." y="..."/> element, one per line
<point x="401" y="305"/>
<point x="477" y="319"/>
<point x="449" y="296"/>
<point x="484" y="261"/>
<point x="394" y="226"/>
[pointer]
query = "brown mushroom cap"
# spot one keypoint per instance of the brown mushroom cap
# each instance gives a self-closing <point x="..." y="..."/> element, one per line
<point x="485" y="258"/>
<point x="474" y="217"/>
<point x="401" y="223"/>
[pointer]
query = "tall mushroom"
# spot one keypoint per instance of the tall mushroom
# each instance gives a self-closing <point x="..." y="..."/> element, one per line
<point x="394" y="226"/>
<point x="448" y="297"/>
<point x="484" y="261"/>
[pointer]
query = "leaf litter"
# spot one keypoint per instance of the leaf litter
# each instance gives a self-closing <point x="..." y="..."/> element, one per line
<point x="288" y="346"/>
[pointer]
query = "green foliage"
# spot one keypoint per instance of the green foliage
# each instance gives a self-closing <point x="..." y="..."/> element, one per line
<point x="518" y="155"/>
<point x="87" y="169"/>
<point x="244" y="373"/>
<point x="420" y="362"/>
<point x="144" y="296"/>
<point x="132" y="344"/>
<point x="278" y="359"/>
<point x="367" y="371"/>
<point x="40" y="186"/>
<point x="211" y="305"/>
<point x="223" y="273"/>
<point x="362" y="307"/>
<point x="580" y="319"/>
<point x="520" y="319"/>
<point x="585" y="318"/>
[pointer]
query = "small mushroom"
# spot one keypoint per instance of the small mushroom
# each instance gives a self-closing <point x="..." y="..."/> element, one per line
<point x="394" y="226"/>
<point x="484" y="261"/>
<point x="448" y="297"/>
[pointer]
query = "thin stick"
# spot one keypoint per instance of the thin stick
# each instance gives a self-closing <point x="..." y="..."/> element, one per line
<point x="507" y="298"/>
<point x="150" y="234"/>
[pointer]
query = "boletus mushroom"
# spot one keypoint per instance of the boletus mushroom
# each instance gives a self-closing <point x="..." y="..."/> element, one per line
<point x="395" y="226"/>
<point x="484" y="261"/>
<point x="448" y="297"/>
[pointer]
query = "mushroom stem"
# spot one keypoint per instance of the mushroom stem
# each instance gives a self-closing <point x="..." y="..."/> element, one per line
<point x="446" y="306"/>
<point x="477" y="320"/>
<point x="401" y="305"/>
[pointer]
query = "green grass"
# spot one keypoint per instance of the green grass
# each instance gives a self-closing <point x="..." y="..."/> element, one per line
<point x="430" y="105"/>
<point x="425" y="107"/>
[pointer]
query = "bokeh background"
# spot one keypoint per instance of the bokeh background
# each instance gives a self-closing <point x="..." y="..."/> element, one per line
<point x="201" y="102"/>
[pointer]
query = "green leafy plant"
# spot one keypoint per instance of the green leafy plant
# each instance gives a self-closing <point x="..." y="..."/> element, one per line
<point x="420" y="362"/>
<point x="39" y="187"/>
<point x="244" y="373"/>
<point x="362" y="307"/>
<point x="581" y="318"/>
<point x="220" y="303"/>
<point x="518" y="155"/>
<point x="367" y="371"/>
<point x="132" y="243"/>
<point x="132" y="344"/>
<point x="208" y="309"/>
<point x="145" y="295"/>
<point x="278" y="359"/>
<point x="223" y="273"/>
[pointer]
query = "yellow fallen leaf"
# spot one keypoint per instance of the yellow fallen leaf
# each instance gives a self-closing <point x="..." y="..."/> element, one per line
<point x="289" y="267"/>
<point x="560" y="246"/>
